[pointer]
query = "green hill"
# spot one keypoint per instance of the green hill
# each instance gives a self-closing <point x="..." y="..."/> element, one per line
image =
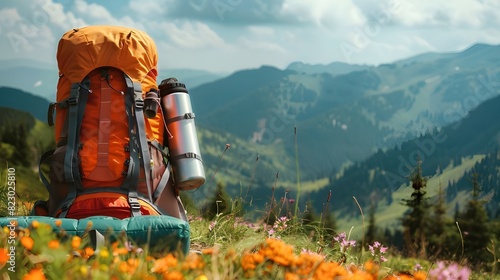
<point x="24" y="101"/>
<point x="448" y="157"/>
<point x="23" y="139"/>
<point x="347" y="115"/>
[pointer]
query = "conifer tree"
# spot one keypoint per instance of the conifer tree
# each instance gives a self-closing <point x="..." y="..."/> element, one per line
<point x="219" y="203"/>
<point x="327" y="220"/>
<point x="442" y="236"/>
<point x="309" y="216"/>
<point x="371" y="232"/>
<point x="474" y="225"/>
<point x="415" y="219"/>
<point x="329" y="224"/>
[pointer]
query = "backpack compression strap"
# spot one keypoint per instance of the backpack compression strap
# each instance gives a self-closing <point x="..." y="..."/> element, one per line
<point x="166" y="174"/>
<point x="76" y="107"/>
<point x="140" y="132"/>
<point x="130" y="183"/>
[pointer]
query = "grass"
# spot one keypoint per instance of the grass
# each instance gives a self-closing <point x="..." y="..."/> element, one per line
<point x="227" y="247"/>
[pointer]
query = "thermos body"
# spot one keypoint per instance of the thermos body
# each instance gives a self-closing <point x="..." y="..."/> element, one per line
<point x="183" y="143"/>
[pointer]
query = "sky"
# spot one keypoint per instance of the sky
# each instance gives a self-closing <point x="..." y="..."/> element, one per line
<point x="224" y="36"/>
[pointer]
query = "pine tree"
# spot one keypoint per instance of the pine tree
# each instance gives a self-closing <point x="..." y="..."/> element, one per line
<point x="310" y="216"/>
<point x="219" y="203"/>
<point x="371" y="232"/>
<point x="415" y="220"/>
<point x="329" y="224"/>
<point x="442" y="236"/>
<point x="474" y="226"/>
<point x="327" y="221"/>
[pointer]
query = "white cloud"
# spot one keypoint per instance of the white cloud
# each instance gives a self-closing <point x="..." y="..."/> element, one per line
<point x="150" y="8"/>
<point x="324" y="13"/>
<point x="99" y="15"/>
<point x="265" y="46"/>
<point x="261" y="30"/>
<point x="9" y="16"/>
<point x="192" y="35"/>
<point x="93" y="11"/>
<point x="464" y="13"/>
<point x="56" y="15"/>
<point x="262" y="38"/>
<point x="23" y="35"/>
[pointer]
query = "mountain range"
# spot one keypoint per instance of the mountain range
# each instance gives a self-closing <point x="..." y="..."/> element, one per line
<point x="41" y="78"/>
<point x="347" y="126"/>
<point x="344" y="118"/>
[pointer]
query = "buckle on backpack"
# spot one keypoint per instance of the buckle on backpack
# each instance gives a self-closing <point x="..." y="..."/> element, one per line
<point x="139" y="103"/>
<point x="72" y="101"/>
<point x="134" y="204"/>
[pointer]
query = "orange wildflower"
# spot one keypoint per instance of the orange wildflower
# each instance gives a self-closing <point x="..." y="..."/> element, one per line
<point x="133" y="264"/>
<point x="329" y="270"/>
<point x="163" y="264"/>
<point x="193" y="261"/>
<point x="53" y="244"/>
<point x="27" y="242"/>
<point x="88" y="252"/>
<point x="247" y="262"/>
<point x="420" y="275"/>
<point x="35" y="274"/>
<point x="372" y="268"/>
<point x="4" y="257"/>
<point x="35" y="224"/>
<point x="258" y="258"/>
<point x="123" y="267"/>
<point x="58" y="223"/>
<point x="209" y="251"/>
<point x="76" y="241"/>
<point x="279" y="252"/>
<point x="291" y="276"/>
<point x="405" y="277"/>
<point x="120" y="251"/>
<point x="307" y="262"/>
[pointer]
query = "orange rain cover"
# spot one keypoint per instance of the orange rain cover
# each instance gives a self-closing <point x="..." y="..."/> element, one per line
<point x="84" y="49"/>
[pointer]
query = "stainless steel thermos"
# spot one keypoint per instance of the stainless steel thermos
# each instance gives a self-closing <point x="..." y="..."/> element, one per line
<point x="185" y="156"/>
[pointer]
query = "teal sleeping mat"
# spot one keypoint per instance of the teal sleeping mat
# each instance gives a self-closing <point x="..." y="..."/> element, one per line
<point x="169" y="233"/>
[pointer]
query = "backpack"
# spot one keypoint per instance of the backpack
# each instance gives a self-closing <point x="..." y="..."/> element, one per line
<point x="110" y="158"/>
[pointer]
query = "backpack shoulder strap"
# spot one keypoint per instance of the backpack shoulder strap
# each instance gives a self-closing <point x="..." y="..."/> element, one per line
<point x="132" y="177"/>
<point x="141" y="132"/>
<point x="77" y="102"/>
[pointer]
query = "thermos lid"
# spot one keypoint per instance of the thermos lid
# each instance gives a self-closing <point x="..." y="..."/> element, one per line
<point x="171" y="85"/>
